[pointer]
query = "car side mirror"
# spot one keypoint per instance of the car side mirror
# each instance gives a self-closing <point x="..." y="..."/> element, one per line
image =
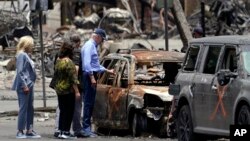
<point x="174" y="89"/>
<point x="224" y="76"/>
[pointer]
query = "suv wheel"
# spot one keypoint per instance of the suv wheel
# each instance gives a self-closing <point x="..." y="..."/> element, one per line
<point x="244" y="116"/>
<point x="185" y="125"/>
<point x="136" y="125"/>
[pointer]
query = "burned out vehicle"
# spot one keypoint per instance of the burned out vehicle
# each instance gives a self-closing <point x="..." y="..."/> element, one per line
<point x="212" y="89"/>
<point x="138" y="93"/>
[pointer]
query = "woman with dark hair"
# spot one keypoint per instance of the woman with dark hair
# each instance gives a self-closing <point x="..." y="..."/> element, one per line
<point x="66" y="88"/>
<point x="76" y="123"/>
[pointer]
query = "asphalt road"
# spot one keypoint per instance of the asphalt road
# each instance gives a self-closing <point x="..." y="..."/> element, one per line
<point x="46" y="128"/>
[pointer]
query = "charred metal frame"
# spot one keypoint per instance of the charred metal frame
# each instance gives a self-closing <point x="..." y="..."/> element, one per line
<point x="116" y="105"/>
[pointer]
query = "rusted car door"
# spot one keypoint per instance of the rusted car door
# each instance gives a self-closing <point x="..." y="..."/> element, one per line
<point x="117" y="95"/>
<point x="105" y="82"/>
<point x="111" y="99"/>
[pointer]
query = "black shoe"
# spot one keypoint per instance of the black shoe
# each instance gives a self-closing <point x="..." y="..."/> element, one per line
<point x="79" y="134"/>
<point x="56" y="134"/>
<point x="66" y="135"/>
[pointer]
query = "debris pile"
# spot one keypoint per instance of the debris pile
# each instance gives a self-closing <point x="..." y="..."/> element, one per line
<point x="11" y="20"/>
<point x="225" y="17"/>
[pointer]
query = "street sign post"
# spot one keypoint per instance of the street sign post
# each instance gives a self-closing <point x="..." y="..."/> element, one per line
<point x="40" y="6"/>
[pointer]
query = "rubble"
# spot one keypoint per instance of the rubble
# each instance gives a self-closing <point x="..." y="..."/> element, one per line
<point x="224" y="17"/>
<point x="121" y="24"/>
<point x="11" y="20"/>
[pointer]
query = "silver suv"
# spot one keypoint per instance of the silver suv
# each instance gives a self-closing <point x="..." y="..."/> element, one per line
<point x="212" y="89"/>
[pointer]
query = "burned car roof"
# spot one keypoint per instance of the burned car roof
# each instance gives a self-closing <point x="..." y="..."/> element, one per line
<point x="151" y="55"/>
<point x="230" y="39"/>
<point x="159" y="56"/>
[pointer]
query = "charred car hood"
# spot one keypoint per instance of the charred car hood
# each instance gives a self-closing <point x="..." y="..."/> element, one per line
<point x="161" y="92"/>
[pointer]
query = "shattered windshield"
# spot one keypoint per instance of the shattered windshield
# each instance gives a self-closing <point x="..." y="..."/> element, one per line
<point x="155" y="73"/>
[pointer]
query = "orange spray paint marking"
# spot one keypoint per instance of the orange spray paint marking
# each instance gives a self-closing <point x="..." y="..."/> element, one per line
<point x="220" y="92"/>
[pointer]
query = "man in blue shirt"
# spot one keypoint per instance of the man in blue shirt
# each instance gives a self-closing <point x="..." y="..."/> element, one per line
<point x="91" y="67"/>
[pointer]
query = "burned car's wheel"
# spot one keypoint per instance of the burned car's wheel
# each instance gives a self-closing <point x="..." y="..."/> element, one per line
<point x="136" y="125"/>
<point x="244" y="115"/>
<point x="171" y="128"/>
<point x="185" y="125"/>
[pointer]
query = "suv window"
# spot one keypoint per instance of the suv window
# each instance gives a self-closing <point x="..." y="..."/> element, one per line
<point x="246" y="58"/>
<point x="229" y="60"/>
<point x="193" y="52"/>
<point x="211" y="59"/>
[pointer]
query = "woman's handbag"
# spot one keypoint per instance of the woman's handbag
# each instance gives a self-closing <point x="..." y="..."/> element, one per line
<point x="52" y="83"/>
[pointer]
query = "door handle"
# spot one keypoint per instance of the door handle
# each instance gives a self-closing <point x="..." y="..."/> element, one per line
<point x="191" y="87"/>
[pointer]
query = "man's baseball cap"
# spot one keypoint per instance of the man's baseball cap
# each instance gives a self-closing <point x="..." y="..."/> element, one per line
<point x="101" y="33"/>
<point x="198" y="29"/>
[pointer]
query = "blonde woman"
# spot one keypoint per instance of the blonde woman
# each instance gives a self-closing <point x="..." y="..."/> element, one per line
<point x="23" y="85"/>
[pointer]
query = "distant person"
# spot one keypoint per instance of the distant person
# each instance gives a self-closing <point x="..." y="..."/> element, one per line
<point x="24" y="85"/>
<point x="76" y="124"/>
<point x="77" y="121"/>
<point x="66" y="88"/>
<point x="198" y="32"/>
<point x="91" y="67"/>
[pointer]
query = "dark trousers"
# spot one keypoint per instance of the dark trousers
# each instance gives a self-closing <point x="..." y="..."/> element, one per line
<point x="76" y="125"/>
<point x="66" y="105"/>
<point x="88" y="101"/>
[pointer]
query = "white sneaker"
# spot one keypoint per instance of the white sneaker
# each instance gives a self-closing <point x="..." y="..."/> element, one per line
<point x="20" y="135"/>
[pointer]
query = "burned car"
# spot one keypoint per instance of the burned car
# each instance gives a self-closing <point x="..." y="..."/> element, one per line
<point x="138" y="93"/>
<point x="212" y="87"/>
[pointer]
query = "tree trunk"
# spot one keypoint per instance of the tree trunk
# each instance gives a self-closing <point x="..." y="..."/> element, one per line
<point x="181" y="23"/>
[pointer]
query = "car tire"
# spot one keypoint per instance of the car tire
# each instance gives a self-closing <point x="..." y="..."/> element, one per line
<point x="163" y="128"/>
<point x="185" y="125"/>
<point x="136" y="125"/>
<point x="243" y="117"/>
<point x="171" y="130"/>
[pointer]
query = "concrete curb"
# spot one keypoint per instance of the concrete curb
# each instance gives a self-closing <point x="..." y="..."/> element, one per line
<point x="36" y="110"/>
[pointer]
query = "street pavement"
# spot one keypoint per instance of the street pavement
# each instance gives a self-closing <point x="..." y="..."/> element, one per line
<point x="46" y="128"/>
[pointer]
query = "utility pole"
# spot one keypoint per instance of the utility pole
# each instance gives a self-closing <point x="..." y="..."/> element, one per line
<point x="203" y="17"/>
<point x="64" y="12"/>
<point x="42" y="55"/>
<point x="166" y="23"/>
<point x="39" y="6"/>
